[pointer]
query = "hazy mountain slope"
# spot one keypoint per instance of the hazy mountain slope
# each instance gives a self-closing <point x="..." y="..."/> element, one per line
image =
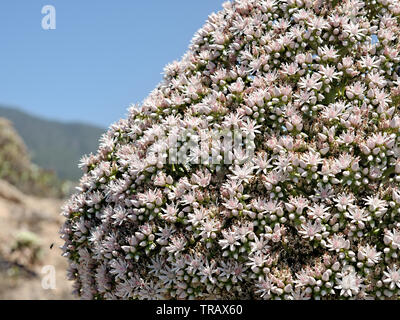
<point x="17" y="169"/>
<point x="54" y="145"/>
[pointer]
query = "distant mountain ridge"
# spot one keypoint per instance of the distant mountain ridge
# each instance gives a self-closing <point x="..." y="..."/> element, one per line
<point x="52" y="144"/>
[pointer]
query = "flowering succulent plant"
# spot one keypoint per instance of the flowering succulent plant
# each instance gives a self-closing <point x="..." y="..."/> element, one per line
<point x="266" y="165"/>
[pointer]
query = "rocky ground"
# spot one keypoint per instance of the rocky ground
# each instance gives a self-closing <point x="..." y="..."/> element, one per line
<point x="29" y="244"/>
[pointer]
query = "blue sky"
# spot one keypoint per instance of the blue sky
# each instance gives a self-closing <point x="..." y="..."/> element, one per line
<point x="102" y="56"/>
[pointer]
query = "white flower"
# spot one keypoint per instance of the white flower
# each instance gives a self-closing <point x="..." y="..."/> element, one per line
<point x="257" y="260"/>
<point x="319" y="211"/>
<point x="237" y="87"/>
<point x="300" y="203"/>
<point x="312" y="158"/>
<point x="170" y="213"/>
<point x="209" y="227"/>
<point x="303" y="279"/>
<point x="230" y="240"/>
<point x="369" y="62"/>
<point x="371" y="254"/>
<point x="165" y="234"/>
<point x="328" y="53"/>
<point x="338" y="243"/>
<point x="282" y="163"/>
<point x="232" y="270"/>
<point x="312" y="230"/>
<point x="198" y="216"/>
<point x="207" y="271"/>
<point x="392" y="237"/>
<point x="376" y="205"/>
<point x="232" y="204"/>
<point x="202" y="178"/>
<point x="349" y="282"/>
<point x="334" y="111"/>
<point x="300" y="294"/>
<point x="311" y="82"/>
<point x="250" y="128"/>
<point x="392" y="277"/>
<point x="264" y="287"/>
<point x="244" y="173"/>
<point x="157" y="264"/>
<point x="151" y="291"/>
<point x="329" y="73"/>
<point x="260" y="244"/>
<point x="354" y="30"/>
<point x="119" y="268"/>
<point x="357" y="214"/>
<point x="344" y="201"/>
<point x="176" y="245"/>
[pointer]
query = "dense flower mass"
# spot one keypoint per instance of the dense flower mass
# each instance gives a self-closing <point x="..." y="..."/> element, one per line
<point x="266" y="165"/>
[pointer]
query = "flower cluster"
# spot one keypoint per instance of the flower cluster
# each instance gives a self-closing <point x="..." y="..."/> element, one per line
<point x="310" y="209"/>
